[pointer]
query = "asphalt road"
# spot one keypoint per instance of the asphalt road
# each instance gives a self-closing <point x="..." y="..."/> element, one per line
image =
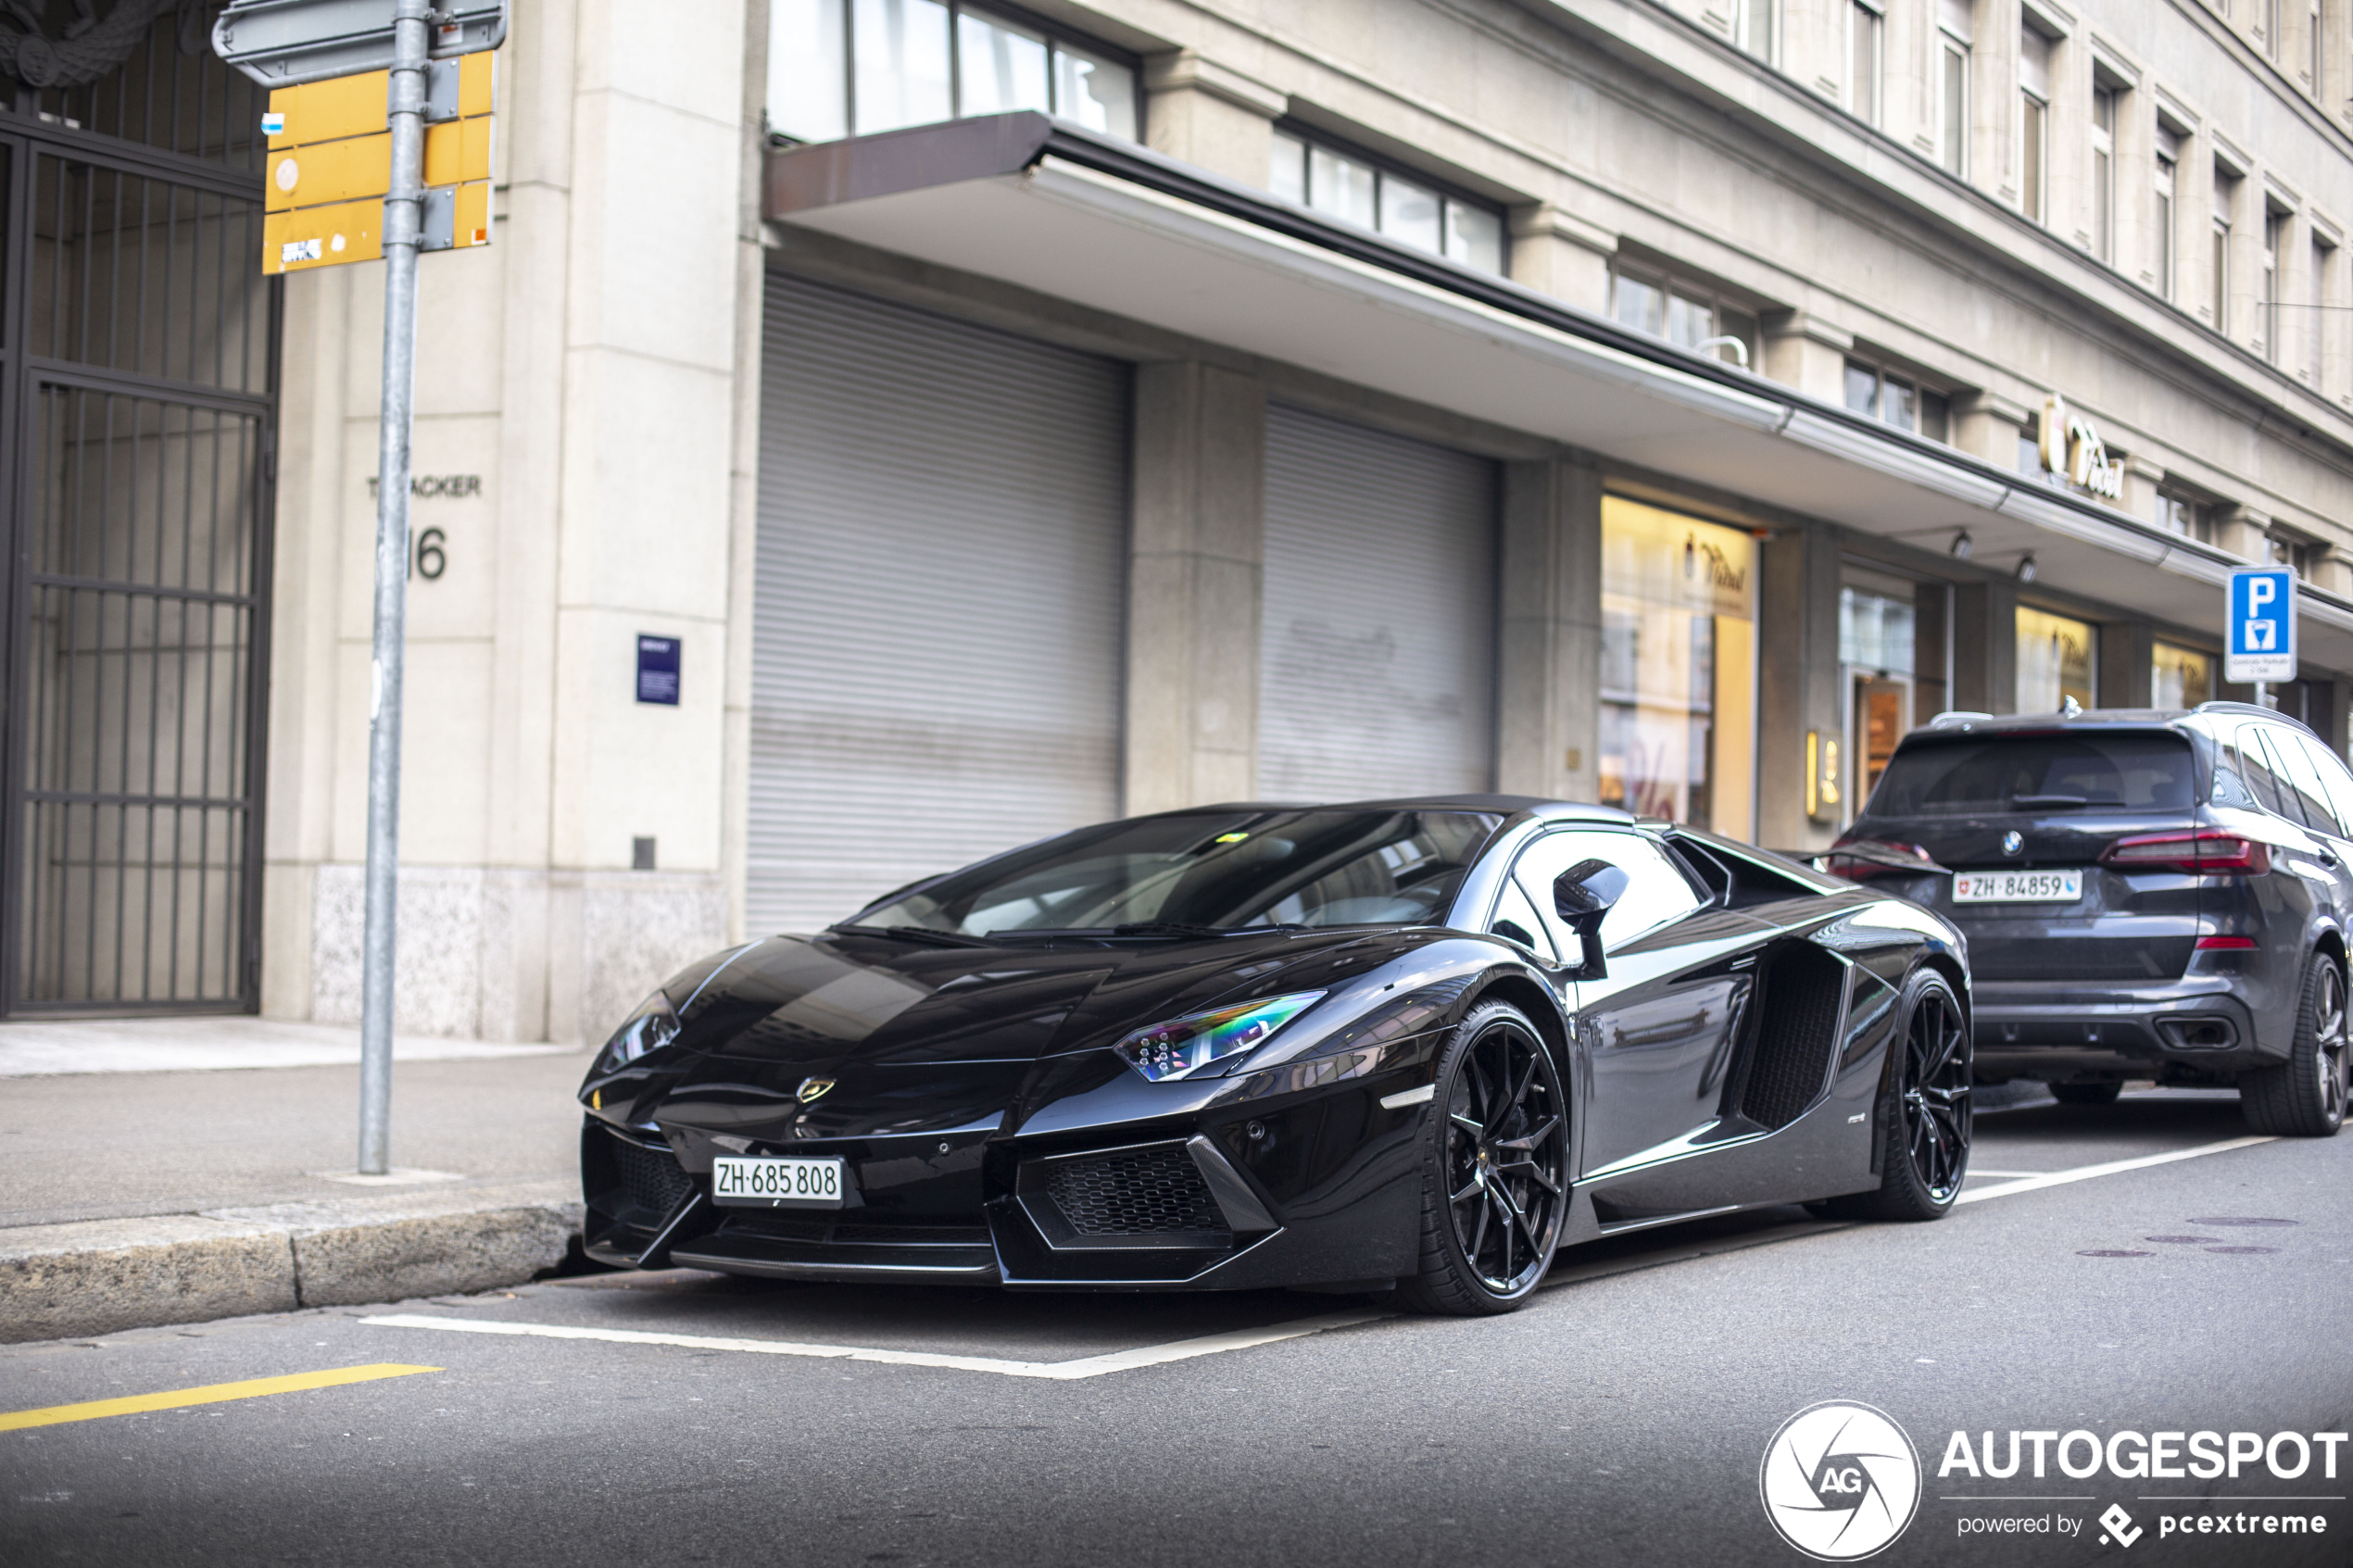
<point x="1620" y="1418"/>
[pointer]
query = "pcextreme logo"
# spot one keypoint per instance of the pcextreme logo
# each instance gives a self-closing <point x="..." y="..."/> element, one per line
<point x="1839" y="1481"/>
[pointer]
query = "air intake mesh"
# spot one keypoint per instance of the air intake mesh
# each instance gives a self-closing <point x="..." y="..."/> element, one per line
<point x="1154" y="1191"/>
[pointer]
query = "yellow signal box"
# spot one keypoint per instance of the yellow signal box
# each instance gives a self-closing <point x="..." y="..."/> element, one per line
<point x="330" y="166"/>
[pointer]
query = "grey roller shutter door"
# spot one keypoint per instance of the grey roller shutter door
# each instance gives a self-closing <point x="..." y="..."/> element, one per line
<point x="1378" y="639"/>
<point x="937" y="633"/>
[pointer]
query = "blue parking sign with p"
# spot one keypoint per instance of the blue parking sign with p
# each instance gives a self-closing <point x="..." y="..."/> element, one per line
<point x="2260" y="635"/>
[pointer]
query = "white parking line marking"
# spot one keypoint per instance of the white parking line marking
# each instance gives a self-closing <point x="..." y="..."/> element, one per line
<point x="2085" y="1173"/>
<point x="1063" y="1371"/>
<point x="1976" y="1172"/>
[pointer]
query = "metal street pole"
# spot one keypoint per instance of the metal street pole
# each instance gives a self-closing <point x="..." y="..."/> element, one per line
<point x="404" y="211"/>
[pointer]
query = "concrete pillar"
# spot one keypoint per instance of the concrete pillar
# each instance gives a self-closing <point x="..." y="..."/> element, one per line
<point x="1797" y="681"/>
<point x="2141" y="479"/>
<point x="1808" y="353"/>
<point x="1196" y="578"/>
<point x="1985" y="647"/>
<point x="1560" y="254"/>
<point x="2127" y="660"/>
<point x="2243" y="532"/>
<point x="1547" y="698"/>
<point x="1986" y="424"/>
<point x="1210" y="115"/>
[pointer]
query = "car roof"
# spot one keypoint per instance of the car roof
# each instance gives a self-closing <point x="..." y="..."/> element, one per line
<point x="1505" y="805"/>
<point x="2175" y="718"/>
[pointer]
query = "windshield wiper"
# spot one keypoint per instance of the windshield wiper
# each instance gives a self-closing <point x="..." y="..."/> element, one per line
<point x="922" y="934"/>
<point x="2050" y="800"/>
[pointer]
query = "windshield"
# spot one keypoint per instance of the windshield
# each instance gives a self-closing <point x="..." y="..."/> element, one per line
<point x="1221" y="869"/>
<point x="2146" y="772"/>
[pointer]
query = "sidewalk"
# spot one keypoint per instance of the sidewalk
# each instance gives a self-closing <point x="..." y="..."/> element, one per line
<point x="163" y="1170"/>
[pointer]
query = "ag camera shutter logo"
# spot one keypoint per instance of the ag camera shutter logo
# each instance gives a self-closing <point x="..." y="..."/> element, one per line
<point x="1839" y="1481"/>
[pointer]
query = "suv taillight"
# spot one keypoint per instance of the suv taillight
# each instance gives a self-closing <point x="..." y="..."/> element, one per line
<point x="2193" y="854"/>
<point x="1879" y="857"/>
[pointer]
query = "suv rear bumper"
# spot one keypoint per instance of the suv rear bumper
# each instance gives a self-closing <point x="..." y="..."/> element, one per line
<point x="2061" y="1030"/>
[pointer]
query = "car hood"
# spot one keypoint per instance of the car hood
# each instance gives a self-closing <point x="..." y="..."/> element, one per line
<point x="792" y="1002"/>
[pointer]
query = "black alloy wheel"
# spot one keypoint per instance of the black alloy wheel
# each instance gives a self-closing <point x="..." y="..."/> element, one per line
<point x="2305" y="1096"/>
<point x="1495" y="1173"/>
<point x="1925" y="1115"/>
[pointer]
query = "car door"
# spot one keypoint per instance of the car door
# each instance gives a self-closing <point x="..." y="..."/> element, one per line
<point x="2321" y="785"/>
<point x="1658" y="1025"/>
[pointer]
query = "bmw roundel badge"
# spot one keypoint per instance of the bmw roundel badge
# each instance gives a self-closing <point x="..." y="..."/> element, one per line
<point x="2012" y="843"/>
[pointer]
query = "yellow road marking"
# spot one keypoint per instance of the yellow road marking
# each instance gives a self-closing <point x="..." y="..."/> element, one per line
<point x="91" y="1409"/>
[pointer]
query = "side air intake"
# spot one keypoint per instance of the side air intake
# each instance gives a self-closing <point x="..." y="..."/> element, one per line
<point x="1796" y="1015"/>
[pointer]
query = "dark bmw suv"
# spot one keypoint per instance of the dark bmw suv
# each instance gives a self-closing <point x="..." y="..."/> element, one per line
<point x="2146" y="893"/>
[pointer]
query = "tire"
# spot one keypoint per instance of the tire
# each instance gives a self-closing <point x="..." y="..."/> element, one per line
<point x="2304" y="1096"/>
<point x="1924" y="1113"/>
<point x="2087" y="1093"/>
<point x="1494" y="1169"/>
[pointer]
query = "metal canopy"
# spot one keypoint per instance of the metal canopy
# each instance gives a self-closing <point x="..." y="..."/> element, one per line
<point x="1057" y="209"/>
<point x="286" y="43"/>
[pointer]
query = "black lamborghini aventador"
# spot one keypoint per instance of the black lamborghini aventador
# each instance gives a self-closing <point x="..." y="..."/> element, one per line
<point x="1422" y="1043"/>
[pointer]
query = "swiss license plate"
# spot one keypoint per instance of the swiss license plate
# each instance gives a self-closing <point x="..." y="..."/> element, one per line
<point x="755" y="1183"/>
<point x="2017" y="887"/>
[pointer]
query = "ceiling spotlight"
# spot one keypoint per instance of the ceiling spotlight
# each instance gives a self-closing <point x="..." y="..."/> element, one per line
<point x="2026" y="568"/>
<point x="1961" y="545"/>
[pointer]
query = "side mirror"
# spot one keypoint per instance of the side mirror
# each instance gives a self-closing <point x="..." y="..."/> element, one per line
<point x="1582" y="895"/>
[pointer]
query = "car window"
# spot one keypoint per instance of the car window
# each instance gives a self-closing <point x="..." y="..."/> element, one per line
<point x="2300" y="792"/>
<point x="2335" y="779"/>
<point x="1969" y="774"/>
<point x="1657" y="891"/>
<point x="1516" y="921"/>
<point x="2255" y="768"/>
<point x="2231" y="786"/>
<point x="2317" y="776"/>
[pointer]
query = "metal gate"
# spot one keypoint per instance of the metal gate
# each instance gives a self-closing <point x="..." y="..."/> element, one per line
<point x="138" y="378"/>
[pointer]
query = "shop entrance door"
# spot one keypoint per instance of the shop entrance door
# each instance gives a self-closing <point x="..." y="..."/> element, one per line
<point x="1883" y="714"/>
<point x="138" y="351"/>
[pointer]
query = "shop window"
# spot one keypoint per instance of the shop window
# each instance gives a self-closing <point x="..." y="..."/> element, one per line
<point x="1352" y="187"/>
<point x="842" y="68"/>
<point x="1879" y="628"/>
<point x="1684" y="312"/>
<point x="2055" y="657"/>
<point x="1679" y="667"/>
<point x="1898" y="399"/>
<point x="2179" y="677"/>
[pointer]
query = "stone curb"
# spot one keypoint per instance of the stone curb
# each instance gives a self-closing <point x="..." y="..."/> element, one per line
<point x="98" y="1277"/>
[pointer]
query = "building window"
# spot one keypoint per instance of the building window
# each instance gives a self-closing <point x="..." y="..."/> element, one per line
<point x="844" y="67"/>
<point x="2297" y="556"/>
<point x="1679" y="667"/>
<point x="2267" y="306"/>
<point x="1863" y="25"/>
<point x="2168" y="181"/>
<point x="2271" y="27"/>
<point x="2055" y="657"/>
<point x="1352" y="187"/>
<point x="2034" y="121"/>
<point x="1954" y="32"/>
<point x="2104" y="173"/>
<point x="2182" y="515"/>
<point x="1753" y="27"/>
<point x="2226" y="196"/>
<point x="1898" y="399"/>
<point x="2179" y="677"/>
<point x="2029" y="458"/>
<point x="2312" y="47"/>
<point x="2316" y="336"/>
<point x="1685" y="313"/>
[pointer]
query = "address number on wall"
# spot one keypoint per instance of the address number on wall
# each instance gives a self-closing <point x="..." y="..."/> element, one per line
<point x="428" y="553"/>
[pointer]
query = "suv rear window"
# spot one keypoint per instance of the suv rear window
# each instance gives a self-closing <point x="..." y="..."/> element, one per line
<point x="2037" y="772"/>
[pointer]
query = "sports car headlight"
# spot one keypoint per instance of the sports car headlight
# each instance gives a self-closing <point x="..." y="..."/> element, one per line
<point x="652" y="1026"/>
<point x="1182" y="1044"/>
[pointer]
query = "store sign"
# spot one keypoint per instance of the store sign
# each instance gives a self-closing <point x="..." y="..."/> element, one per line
<point x="2072" y="448"/>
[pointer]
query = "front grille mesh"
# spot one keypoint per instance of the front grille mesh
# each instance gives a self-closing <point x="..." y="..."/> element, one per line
<point x="650" y="1178"/>
<point x="1155" y="1191"/>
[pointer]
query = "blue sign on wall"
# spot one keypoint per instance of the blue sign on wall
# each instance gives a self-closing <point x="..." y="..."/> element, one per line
<point x="657" y="670"/>
<point x="2259" y="634"/>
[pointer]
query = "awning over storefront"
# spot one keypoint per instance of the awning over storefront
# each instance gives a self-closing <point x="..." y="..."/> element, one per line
<point x="1066" y="212"/>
